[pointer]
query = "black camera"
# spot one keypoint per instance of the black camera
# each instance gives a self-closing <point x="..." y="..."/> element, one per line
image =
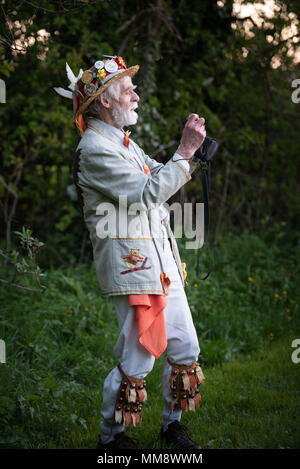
<point x="207" y="150"/>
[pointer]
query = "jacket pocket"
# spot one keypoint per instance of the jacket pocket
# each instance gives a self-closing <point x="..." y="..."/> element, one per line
<point x="135" y="262"/>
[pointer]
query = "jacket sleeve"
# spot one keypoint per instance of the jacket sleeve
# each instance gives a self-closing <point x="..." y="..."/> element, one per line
<point x="155" y="166"/>
<point x="108" y="172"/>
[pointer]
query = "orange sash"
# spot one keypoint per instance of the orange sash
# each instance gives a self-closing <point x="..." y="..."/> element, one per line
<point x="149" y="313"/>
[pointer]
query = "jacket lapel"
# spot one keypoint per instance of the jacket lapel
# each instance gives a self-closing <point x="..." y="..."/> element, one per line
<point x="98" y="126"/>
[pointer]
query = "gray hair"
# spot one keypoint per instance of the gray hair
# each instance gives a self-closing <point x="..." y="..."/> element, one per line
<point x="111" y="92"/>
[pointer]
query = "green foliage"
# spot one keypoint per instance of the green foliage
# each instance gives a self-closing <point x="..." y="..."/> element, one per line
<point x="17" y="268"/>
<point x="196" y="58"/>
<point x="250" y="297"/>
<point x="58" y="357"/>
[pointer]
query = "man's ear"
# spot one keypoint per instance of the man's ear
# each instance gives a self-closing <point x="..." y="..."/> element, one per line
<point x="104" y="101"/>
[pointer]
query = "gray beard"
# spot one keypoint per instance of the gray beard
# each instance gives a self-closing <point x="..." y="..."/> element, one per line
<point x="123" y="118"/>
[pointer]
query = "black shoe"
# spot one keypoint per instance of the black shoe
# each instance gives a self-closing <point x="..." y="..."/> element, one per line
<point x="120" y="441"/>
<point x="177" y="436"/>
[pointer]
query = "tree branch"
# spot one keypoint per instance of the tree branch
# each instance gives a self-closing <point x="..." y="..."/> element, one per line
<point x="20" y="286"/>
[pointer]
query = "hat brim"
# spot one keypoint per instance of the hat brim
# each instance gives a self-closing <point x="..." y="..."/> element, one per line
<point x="131" y="71"/>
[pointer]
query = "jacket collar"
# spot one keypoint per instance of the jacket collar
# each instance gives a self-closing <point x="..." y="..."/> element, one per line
<point x="108" y="131"/>
<point x="112" y="134"/>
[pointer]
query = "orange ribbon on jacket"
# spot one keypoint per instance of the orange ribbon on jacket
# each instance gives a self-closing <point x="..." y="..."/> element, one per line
<point x="126" y="140"/>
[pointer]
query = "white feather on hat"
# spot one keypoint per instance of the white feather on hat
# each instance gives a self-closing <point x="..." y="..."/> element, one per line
<point x="73" y="80"/>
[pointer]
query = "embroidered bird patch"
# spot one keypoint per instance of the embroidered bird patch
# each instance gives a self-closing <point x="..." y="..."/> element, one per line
<point x="132" y="260"/>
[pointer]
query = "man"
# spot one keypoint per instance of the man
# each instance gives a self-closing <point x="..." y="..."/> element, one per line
<point x="137" y="262"/>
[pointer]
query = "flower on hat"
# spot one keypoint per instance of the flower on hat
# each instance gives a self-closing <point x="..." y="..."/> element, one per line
<point x="101" y="74"/>
<point x="121" y="62"/>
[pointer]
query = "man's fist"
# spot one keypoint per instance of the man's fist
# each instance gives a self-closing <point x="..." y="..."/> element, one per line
<point x="193" y="136"/>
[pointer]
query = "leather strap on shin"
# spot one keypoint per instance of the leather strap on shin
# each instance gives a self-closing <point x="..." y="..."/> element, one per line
<point x="131" y="395"/>
<point x="184" y="382"/>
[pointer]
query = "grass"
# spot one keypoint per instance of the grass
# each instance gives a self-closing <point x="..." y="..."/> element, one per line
<point x="59" y="350"/>
<point x="246" y="403"/>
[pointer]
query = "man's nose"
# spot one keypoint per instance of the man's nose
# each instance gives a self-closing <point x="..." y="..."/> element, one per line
<point x="135" y="97"/>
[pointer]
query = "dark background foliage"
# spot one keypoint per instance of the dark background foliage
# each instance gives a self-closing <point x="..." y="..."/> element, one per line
<point x="195" y="56"/>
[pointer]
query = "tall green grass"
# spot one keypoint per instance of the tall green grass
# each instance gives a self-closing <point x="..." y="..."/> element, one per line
<point x="59" y="348"/>
<point x="251" y="297"/>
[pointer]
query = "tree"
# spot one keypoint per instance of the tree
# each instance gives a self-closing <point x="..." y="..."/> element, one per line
<point x="194" y="56"/>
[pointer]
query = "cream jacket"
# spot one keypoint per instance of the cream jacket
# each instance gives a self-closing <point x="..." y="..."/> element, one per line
<point x="121" y="210"/>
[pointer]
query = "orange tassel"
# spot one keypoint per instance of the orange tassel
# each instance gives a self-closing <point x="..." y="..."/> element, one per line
<point x="126" y="140"/>
<point x="197" y="399"/>
<point x="166" y="282"/>
<point x="193" y="381"/>
<point x="80" y="124"/>
<point x="128" y="419"/>
<point x="141" y="395"/>
<point x="138" y="417"/>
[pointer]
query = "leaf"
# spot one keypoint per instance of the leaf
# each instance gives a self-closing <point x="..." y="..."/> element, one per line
<point x="74" y="418"/>
<point x="83" y="423"/>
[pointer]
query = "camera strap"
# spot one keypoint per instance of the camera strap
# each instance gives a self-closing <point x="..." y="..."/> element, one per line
<point x="204" y="155"/>
<point x="205" y="178"/>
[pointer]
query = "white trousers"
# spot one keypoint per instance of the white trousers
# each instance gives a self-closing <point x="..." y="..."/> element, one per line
<point x="135" y="360"/>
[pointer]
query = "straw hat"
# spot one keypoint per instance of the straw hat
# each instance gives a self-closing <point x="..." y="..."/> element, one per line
<point x="91" y="83"/>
